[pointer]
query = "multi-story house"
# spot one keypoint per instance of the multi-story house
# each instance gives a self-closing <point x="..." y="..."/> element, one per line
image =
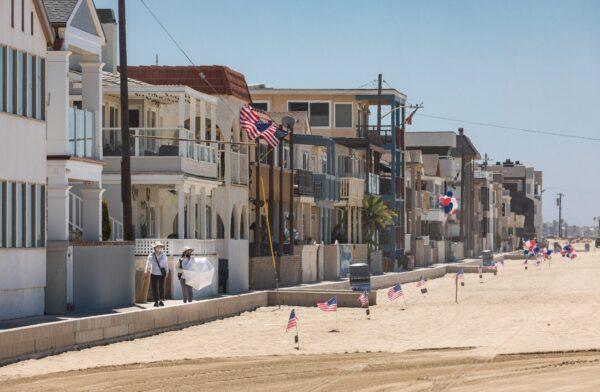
<point x="25" y="34"/>
<point x="189" y="163"/>
<point x="525" y="189"/>
<point x="343" y="115"/>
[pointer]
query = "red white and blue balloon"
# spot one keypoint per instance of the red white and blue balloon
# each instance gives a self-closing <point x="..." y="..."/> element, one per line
<point x="448" y="203"/>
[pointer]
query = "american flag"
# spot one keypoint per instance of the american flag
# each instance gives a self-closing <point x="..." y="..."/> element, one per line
<point x="329" y="306"/>
<point x="292" y="322"/>
<point x="479" y="269"/>
<point x="394" y="292"/>
<point x="364" y="298"/>
<point x="255" y="127"/>
<point x="421" y="282"/>
<point x="460" y="274"/>
<point x="493" y="267"/>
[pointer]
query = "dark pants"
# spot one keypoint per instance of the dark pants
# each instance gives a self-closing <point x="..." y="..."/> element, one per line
<point x="187" y="291"/>
<point x="157" y="282"/>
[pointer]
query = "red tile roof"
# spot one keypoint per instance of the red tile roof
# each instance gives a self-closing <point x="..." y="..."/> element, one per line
<point x="224" y="80"/>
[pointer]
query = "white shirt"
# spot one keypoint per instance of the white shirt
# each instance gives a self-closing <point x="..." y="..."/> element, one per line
<point x="151" y="265"/>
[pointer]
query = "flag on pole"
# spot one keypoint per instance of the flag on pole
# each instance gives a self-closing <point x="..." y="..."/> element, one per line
<point x="460" y="275"/>
<point x="408" y="120"/>
<point x="255" y="127"/>
<point x="394" y="292"/>
<point x="364" y="299"/>
<point x="292" y="322"/>
<point x="329" y="306"/>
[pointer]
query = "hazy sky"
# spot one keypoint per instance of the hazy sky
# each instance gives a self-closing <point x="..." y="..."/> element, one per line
<point x="526" y="64"/>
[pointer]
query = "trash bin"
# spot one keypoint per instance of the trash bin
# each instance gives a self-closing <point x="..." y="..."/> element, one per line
<point x="360" y="277"/>
<point x="487" y="258"/>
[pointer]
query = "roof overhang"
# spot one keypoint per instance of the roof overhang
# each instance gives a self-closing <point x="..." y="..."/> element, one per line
<point x="157" y="89"/>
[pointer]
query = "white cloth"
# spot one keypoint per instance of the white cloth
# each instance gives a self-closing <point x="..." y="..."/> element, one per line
<point x="198" y="272"/>
<point x="151" y="265"/>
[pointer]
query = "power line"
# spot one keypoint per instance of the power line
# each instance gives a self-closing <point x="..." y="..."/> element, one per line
<point x="535" y="131"/>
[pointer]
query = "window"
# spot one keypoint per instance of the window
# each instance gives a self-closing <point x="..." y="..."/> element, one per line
<point x="40" y="215"/>
<point x="12" y="13"/>
<point x="40" y="70"/>
<point x="23" y="15"/>
<point x="2" y="67"/>
<point x="10" y="80"/>
<point x="18" y="213"/>
<point x="305" y="160"/>
<point x="8" y="214"/>
<point x="264" y="106"/>
<point x="2" y="228"/>
<point x="31" y="21"/>
<point x="318" y="112"/>
<point x="29" y="224"/>
<point x="343" y="115"/>
<point x="19" y="77"/>
<point x="29" y="78"/>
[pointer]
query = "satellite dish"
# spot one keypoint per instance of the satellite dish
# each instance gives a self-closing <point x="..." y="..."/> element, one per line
<point x="288" y="122"/>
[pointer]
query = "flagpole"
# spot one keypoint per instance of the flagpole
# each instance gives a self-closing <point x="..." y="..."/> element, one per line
<point x="262" y="187"/>
<point x="297" y="337"/>
<point x="456" y="288"/>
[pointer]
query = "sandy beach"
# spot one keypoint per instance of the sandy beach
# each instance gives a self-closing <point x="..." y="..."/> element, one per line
<point x="540" y="326"/>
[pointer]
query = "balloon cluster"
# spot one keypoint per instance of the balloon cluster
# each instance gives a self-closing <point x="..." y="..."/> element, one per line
<point x="531" y="247"/>
<point x="448" y="203"/>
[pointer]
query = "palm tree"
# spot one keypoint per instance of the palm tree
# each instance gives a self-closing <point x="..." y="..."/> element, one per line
<point x="376" y="216"/>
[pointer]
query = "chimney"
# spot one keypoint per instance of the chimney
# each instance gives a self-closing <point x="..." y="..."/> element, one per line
<point x="461" y="131"/>
<point x="111" y="32"/>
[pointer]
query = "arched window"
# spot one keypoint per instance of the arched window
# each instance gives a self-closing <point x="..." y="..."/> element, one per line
<point x="220" y="228"/>
<point x="243" y="235"/>
<point x="232" y="226"/>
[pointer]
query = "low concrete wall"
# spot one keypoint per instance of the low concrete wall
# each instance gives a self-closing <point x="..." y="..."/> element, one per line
<point x="60" y="336"/>
<point x="263" y="275"/>
<point x="309" y="262"/>
<point x="331" y="265"/>
<point x="345" y="298"/>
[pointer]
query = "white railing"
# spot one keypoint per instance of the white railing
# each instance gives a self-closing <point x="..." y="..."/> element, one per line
<point x="239" y="168"/>
<point x="116" y="229"/>
<point x="75" y="212"/>
<point x="160" y="142"/>
<point x="352" y="189"/>
<point x="173" y="246"/>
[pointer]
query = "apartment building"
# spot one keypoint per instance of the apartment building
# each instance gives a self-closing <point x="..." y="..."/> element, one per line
<point x="25" y="34"/>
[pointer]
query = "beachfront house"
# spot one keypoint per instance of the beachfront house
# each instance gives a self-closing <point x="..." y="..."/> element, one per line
<point x="25" y="34"/>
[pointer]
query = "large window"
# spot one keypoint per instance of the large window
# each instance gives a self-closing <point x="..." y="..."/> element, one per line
<point x="10" y="80"/>
<point x="19" y="76"/>
<point x="318" y="112"/>
<point x="343" y="115"/>
<point x="29" y="69"/>
<point x="2" y="68"/>
<point x="264" y="106"/>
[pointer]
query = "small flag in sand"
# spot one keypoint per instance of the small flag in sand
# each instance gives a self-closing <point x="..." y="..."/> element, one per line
<point x="292" y="322"/>
<point x="364" y="299"/>
<point x="421" y="283"/>
<point x="329" y="306"/>
<point x="394" y="292"/>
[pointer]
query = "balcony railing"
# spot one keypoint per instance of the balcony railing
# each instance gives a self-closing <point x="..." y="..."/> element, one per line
<point x="116" y="229"/>
<point x="303" y="183"/>
<point x="81" y="133"/>
<point x="373" y="183"/>
<point x="160" y="142"/>
<point x="75" y="213"/>
<point x="239" y="168"/>
<point x="173" y="246"/>
<point x="326" y="187"/>
<point x="374" y="135"/>
<point x="352" y="189"/>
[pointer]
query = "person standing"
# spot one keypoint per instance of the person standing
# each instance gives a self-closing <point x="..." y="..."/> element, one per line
<point x="184" y="261"/>
<point x="158" y="266"/>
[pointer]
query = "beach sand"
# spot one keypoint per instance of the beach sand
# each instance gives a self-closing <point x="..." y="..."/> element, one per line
<point x="429" y="342"/>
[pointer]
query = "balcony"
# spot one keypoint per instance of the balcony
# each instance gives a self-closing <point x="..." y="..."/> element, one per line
<point x="303" y="183"/>
<point x="161" y="150"/>
<point x="374" y="135"/>
<point x="81" y="133"/>
<point x="352" y="190"/>
<point x="326" y="187"/>
<point x="372" y="183"/>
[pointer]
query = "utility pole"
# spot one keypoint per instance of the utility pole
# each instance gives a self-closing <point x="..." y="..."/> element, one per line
<point x="559" y="204"/>
<point x="128" y="234"/>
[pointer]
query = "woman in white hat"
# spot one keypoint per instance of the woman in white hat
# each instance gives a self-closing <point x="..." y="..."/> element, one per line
<point x="158" y="266"/>
<point x="184" y="261"/>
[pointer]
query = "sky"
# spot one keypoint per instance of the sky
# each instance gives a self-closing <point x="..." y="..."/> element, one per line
<point x="525" y="64"/>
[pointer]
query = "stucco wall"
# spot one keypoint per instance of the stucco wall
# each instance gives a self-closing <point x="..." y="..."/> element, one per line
<point x="309" y="263"/>
<point x="330" y="262"/>
<point x="263" y="276"/>
<point x="22" y="282"/>
<point x="103" y="276"/>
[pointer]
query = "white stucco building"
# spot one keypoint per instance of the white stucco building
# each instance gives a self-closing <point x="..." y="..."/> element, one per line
<point x="24" y="36"/>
